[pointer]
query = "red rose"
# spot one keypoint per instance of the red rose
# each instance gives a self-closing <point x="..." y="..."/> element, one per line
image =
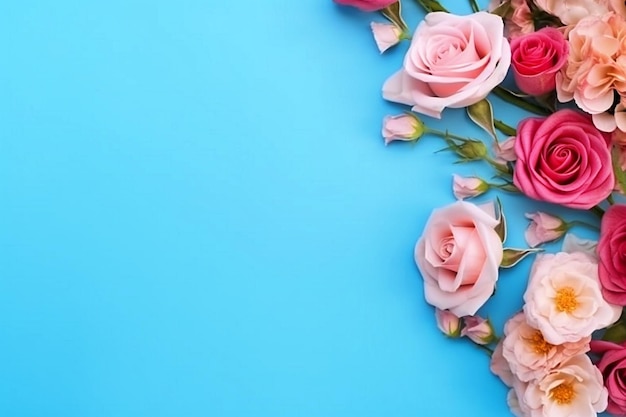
<point x="367" y="5"/>
<point x="612" y="364"/>
<point x="612" y="255"/>
<point x="536" y="58"/>
<point x="563" y="159"/>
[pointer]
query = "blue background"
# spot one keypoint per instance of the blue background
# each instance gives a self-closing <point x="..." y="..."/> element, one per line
<point x="198" y="217"/>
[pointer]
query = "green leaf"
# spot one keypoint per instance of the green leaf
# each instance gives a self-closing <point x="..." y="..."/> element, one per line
<point x="505" y="10"/>
<point x="620" y="175"/>
<point x="513" y="256"/>
<point x="616" y="333"/>
<point x="393" y="13"/>
<point x="501" y="226"/>
<point x="481" y="114"/>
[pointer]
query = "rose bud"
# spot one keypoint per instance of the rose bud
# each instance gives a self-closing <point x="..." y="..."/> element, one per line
<point x="386" y="35"/>
<point x="448" y="323"/>
<point x="468" y="187"/>
<point x="479" y="330"/>
<point x="406" y="127"/>
<point x="367" y="5"/>
<point x="544" y="228"/>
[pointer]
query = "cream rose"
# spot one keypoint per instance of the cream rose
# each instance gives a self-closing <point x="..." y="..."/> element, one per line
<point x="564" y="300"/>
<point x="453" y="61"/>
<point x="458" y="256"/>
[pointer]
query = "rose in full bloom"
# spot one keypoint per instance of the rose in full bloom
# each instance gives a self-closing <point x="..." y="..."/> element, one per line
<point x="458" y="256"/>
<point x="596" y="67"/>
<point x="574" y="388"/>
<point x="612" y="364"/>
<point x="367" y="5"/>
<point x="529" y="355"/>
<point x="612" y="255"/>
<point x="536" y="59"/>
<point x="453" y="61"/>
<point x="564" y="300"/>
<point x="563" y="159"/>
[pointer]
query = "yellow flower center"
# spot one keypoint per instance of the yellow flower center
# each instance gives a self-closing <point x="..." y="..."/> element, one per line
<point x="565" y="300"/>
<point x="538" y="343"/>
<point x="563" y="394"/>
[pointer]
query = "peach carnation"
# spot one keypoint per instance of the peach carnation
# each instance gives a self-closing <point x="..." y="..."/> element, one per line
<point x="596" y="65"/>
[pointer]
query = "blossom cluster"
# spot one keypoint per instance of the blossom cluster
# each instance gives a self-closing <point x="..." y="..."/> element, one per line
<point x="564" y="352"/>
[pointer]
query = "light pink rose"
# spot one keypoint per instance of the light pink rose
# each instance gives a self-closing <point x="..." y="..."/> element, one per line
<point x="386" y="35"/>
<point x="448" y="323"/>
<point x="596" y="67"/>
<point x="612" y="254"/>
<point x="478" y="330"/>
<point x="404" y="127"/>
<point x="564" y="300"/>
<point x="536" y="59"/>
<point x="544" y="228"/>
<point x="367" y="5"/>
<point x="563" y="159"/>
<point x="612" y="364"/>
<point x="458" y="256"/>
<point x="453" y="61"/>
<point x="529" y="355"/>
<point x="574" y="388"/>
<point x="468" y="187"/>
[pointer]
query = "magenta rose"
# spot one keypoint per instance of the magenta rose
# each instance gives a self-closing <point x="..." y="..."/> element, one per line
<point x="612" y="255"/>
<point x="563" y="159"/>
<point x="367" y="5"/>
<point x="453" y="61"/>
<point x="612" y="364"/>
<point x="536" y="58"/>
<point x="458" y="256"/>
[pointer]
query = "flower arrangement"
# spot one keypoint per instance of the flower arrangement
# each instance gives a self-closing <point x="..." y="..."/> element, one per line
<point x="564" y="353"/>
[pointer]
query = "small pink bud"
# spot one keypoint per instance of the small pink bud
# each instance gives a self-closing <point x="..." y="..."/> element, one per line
<point x="505" y="152"/>
<point x="386" y="35"/>
<point x="468" y="187"/>
<point x="406" y="127"/>
<point x="479" y="330"/>
<point x="544" y="228"/>
<point x="448" y="323"/>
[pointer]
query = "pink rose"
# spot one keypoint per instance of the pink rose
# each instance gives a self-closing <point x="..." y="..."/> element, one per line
<point x="612" y="255"/>
<point x="453" y="61"/>
<point x="612" y="364"/>
<point x="367" y="5"/>
<point x="563" y="159"/>
<point x="458" y="256"/>
<point x="536" y="59"/>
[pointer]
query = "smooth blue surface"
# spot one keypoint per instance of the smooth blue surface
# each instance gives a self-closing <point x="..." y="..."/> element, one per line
<point x="198" y="217"/>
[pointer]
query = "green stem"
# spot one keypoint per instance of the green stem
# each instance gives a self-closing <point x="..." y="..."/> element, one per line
<point x="502" y="168"/>
<point x="474" y="5"/>
<point x="597" y="210"/>
<point x="519" y="102"/>
<point x="610" y="199"/>
<point x="431" y="6"/>
<point x="583" y="224"/>
<point x="504" y="128"/>
<point x="487" y="349"/>
<point x="445" y="134"/>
